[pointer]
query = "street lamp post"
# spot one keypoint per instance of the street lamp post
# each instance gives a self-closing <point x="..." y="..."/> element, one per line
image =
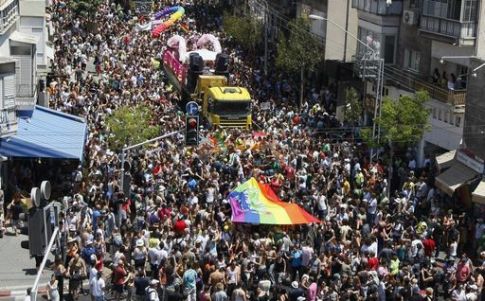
<point x="372" y="66"/>
<point x="127" y="148"/>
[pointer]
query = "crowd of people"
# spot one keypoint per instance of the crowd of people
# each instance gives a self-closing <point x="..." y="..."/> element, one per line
<point x="170" y="237"/>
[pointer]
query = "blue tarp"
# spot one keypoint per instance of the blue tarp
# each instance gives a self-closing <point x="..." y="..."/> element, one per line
<point x="47" y="134"/>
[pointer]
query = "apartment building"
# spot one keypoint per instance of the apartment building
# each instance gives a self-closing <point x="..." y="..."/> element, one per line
<point x="27" y="130"/>
<point x="433" y="45"/>
<point x="17" y="68"/>
<point x="422" y="38"/>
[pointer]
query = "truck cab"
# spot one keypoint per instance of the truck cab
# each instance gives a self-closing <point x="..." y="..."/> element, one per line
<point x="227" y="107"/>
<point x="205" y="80"/>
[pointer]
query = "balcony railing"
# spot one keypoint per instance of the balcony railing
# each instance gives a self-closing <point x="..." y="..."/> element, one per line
<point x="413" y="82"/>
<point x="8" y="14"/>
<point x="378" y="7"/>
<point x="26" y="97"/>
<point x="448" y="27"/>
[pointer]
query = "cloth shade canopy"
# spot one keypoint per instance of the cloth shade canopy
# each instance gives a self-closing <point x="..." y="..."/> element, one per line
<point x="454" y="177"/>
<point x="47" y="134"/>
<point x="256" y="203"/>
<point x="206" y="55"/>
<point x="445" y="160"/>
<point x="478" y="195"/>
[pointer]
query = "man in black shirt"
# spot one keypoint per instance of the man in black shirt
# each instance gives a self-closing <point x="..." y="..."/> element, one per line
<point x="141" y="283"/>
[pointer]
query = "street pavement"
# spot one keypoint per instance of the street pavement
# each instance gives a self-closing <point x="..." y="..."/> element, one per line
<point x="17" y="269"/>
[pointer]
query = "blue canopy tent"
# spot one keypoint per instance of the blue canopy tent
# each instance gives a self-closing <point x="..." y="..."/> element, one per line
<point x="47" y="134"/>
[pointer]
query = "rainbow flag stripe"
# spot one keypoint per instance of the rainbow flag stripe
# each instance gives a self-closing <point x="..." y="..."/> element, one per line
<point x="256" y="203"/>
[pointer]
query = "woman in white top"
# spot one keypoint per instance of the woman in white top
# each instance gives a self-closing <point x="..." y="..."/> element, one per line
<point x="53" y="293"/>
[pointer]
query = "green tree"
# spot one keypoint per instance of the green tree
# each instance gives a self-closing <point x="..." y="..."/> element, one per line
<point x="300" y="51"/>
<point x="86" y="9"/>
<point x="131" y="125"/>
<point x="402" y="122"/>
<point x="245" y="31"/>
<point x="353" y="107"/>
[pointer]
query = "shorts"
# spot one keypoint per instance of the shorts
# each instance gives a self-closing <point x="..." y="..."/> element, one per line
<point x="118" y="288"/>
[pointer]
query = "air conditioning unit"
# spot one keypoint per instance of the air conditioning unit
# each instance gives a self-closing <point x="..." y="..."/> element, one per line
<point x="408" y="17"/>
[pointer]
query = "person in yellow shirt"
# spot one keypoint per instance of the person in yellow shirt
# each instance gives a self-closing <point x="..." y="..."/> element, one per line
<point x="346" y="186"/>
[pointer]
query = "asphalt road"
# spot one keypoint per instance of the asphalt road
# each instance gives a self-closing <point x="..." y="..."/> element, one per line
<point x="17" y="269"/>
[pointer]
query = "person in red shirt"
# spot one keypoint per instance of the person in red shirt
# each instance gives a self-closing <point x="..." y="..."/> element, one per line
<point x="373" y="261"/>
<point x="463" y="270"/>
<point x="119" y="278"/>
<point x="180" y="226"/>
<point x="429" y="246"/>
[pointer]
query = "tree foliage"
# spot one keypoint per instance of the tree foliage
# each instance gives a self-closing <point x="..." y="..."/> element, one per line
<point x="402" y="121"/>
<point x="245" y="31"/>
<point x="85" y="8"/>
<point x="353" y="107"/>
<point x="131" y="125"/>
<point x="301" y="49"/>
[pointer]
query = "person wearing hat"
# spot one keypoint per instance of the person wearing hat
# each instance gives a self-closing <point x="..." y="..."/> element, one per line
<point x="76" y="271"/>
<point x="296" y="291"/>
<point x="87" y="251"/>
<point x="140" y="254"/>
<point x="151" y="291"/>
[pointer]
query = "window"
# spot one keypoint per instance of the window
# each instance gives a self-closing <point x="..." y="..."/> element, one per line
<point x="446" y="117"/>
<point x="389" y="49"/>
<point x="469" y="13"/>
<point x="458" y="121"/>
<point x="439" y="115"/>
<point x="434" y="113"/>
<point x="412" y="59"/>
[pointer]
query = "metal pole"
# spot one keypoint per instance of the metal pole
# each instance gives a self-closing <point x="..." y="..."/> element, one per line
<point x="122" y="176"/>
<point x="35" y="287"/>
<point x="346" y="29"/>
<point x="266" y="38"/>
<point x="127" y="148"/>
<point x="302" y="86"/>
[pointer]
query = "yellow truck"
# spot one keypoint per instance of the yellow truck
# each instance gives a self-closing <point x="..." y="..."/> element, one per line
<point x="222" y="105"/>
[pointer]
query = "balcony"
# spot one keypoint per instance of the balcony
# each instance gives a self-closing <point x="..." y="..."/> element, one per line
<point x="8" y="122"/>
<point x="9" y="13"/>
<point x="378" y="7"/>
<point x="450" y="21"/>
<point x="410" y="81"/>
<point x="452" y="31"/>
<point x="26" y="97"/>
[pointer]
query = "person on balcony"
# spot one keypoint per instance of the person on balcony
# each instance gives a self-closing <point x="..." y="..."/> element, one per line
<point x="444" y="79"/>
<point x="436" y="76"/>
<point x="452" y="82"/>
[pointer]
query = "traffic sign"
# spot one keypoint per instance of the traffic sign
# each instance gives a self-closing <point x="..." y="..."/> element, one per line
<point x="192" y="108"/>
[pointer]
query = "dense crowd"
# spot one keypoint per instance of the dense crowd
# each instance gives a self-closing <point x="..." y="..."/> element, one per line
<point x="170" y="236"/>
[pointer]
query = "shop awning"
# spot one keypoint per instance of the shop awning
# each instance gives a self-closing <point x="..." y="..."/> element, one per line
<point x="478" y="195"/>
<point x="47" y="134"/>
<point x="445" y="160"/>
<point x="454" y="177"/>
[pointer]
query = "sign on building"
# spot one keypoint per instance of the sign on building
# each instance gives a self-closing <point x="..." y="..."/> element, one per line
<point x="143" y="7"/>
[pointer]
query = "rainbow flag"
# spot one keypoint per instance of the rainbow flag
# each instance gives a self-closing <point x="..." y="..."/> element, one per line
<point x="184" y="27"/>
<point x="256" y="203"/>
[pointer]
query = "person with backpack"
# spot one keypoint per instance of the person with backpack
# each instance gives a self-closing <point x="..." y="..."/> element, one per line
<point x="151" y="293"/>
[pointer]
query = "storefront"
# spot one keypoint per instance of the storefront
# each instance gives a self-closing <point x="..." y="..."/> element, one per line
<point x="459" y="178"/>
<point x="48" y="145"/>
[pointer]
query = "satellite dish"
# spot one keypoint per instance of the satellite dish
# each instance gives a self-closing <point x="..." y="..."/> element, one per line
<point x="45" y="189"/>
<point x="35" y="195"/>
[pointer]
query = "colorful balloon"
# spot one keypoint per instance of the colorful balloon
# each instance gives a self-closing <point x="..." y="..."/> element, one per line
<point x="175" y="12"/>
